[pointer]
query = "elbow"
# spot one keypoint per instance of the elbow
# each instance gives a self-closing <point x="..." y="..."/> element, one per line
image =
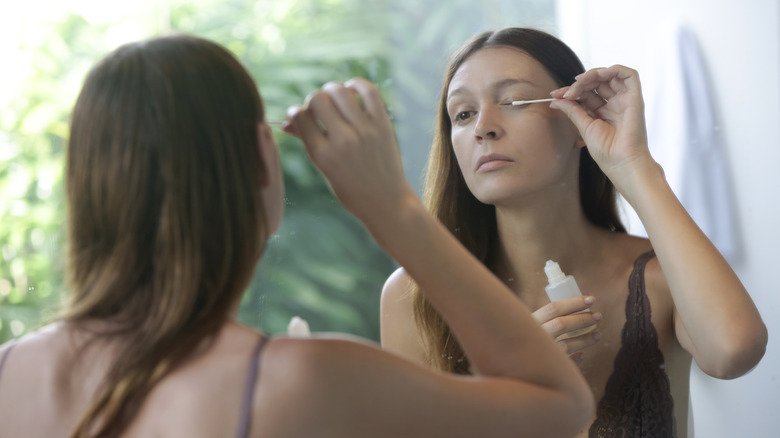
<point x="581" y="408"/>
<point x="586" y="406"/>
<point x="739" y="355"/>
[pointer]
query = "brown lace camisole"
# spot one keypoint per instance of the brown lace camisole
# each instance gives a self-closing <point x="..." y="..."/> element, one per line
<point x="637" y="401"/>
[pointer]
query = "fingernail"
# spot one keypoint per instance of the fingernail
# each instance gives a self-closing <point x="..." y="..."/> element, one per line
<point x="589" y="299"/>
<point x="597" y="336"/>
<point x="291" y="110"/>
<point x="597" y="316"/>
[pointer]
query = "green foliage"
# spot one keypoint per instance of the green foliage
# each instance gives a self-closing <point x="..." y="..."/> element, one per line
<point x="322" y="265"/>
<point x="32" y="149"/>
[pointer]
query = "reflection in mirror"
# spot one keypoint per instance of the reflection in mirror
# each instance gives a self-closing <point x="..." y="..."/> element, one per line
<point x="322" y="265"/>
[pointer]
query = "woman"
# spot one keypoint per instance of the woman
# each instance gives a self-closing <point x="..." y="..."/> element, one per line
<point x="520" y="185"/>
<point x="174" y="186"/>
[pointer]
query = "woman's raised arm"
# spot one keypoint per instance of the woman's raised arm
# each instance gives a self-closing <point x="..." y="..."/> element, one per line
<point x="521" y="371"/>
<point x="715" y="318"/>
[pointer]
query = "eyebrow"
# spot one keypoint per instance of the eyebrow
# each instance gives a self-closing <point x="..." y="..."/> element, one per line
<point x="496" y="87"/>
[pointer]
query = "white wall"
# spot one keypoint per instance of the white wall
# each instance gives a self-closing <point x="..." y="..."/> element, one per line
<point x="740" y="41"/>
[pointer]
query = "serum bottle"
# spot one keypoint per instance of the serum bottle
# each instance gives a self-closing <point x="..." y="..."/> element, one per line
<point x="560" y="286"/>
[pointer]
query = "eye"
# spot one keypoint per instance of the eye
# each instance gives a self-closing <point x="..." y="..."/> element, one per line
<point x="508" y="102"/>
<point x="463" y="116"/>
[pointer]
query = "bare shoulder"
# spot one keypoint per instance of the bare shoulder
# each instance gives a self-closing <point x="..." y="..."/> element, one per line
<point x="632" y="248"/>
<point x="318" y="384"/>
<point x="41" y="346"/>
<point x="656" y="286"/>
<point x="397" y="304"/>
<point x="398" y="289"/>
<point x="337" y="388"/>
<point x="293" y="364"/>
<point x="399" y="329"/>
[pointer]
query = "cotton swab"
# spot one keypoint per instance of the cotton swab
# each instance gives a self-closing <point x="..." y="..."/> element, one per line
<point x="513" y="103"/>
<point x="526" y="102"/>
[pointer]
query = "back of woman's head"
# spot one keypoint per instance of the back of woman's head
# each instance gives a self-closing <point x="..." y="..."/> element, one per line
<point x="449" y="198"/>
<point x="165" y="215"/>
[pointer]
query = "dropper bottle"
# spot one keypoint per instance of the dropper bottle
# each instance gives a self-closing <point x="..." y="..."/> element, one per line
<point x="560" y="286"/>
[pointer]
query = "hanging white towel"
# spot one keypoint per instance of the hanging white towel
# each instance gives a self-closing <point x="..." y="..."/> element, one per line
<point x="685" y="138"/>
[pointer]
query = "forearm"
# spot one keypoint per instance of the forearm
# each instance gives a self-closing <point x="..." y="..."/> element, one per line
<point x="719" y="316"/>
<point x="494" y="328"/>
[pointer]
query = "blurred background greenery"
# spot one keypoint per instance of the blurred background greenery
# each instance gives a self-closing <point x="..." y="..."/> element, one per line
<point x="322" y="264"/>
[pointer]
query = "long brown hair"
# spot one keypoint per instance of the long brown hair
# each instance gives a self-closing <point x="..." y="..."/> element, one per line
<point x="474" y="223"/>
<point x="166" y="221"/>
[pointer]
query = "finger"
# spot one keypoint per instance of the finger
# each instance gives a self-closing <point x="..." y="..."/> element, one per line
<point x="562" y="307"/>
<point x="603" y="80"/>
<point x="558" y="93"/>
<point x="346" y="102"/>
<point x="303" y="125"/>
<point x="620" y="76"/>
<point x="575" y="112"/>
<point x="578" y="343"/>
<point x="326" y="114"/>
<point x="598" y="82"/>
<point x="607" y="81"/>
<point x="592" y="101"/>
<point x="578" y="357"/>
<point x="584" y="83"/>
<point x="604" y="90"/>
<point x="372" y="100"/>
<point x="569" y="323"/>
<point x="289" y="128"/>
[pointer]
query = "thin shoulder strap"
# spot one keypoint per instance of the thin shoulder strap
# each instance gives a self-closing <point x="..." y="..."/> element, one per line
<point x="5" y="356"/>
<point x="638" y="305"/>
<point x="245" y="420"/>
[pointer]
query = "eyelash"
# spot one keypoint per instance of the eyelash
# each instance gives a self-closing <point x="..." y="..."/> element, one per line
<point x="508" y="103"/>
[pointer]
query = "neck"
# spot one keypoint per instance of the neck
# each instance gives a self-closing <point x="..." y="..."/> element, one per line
<point x="550" y="229"/>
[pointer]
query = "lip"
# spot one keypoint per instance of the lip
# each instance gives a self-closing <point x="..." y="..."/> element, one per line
<point x="492" y="161"/>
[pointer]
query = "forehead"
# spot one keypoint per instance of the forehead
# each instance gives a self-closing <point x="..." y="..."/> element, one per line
<point x="492" y="65"/>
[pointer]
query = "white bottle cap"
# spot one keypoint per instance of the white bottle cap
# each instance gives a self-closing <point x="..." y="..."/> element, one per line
<point x="554" y="273"/>
<point x="298" y="328"/>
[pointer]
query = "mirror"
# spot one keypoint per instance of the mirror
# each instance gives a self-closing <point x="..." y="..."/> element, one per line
<point x="322" y="265"/>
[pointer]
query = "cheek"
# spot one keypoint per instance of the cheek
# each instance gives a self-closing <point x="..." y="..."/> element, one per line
<point x="548" y="135"/>
<point x="461" y="149"/>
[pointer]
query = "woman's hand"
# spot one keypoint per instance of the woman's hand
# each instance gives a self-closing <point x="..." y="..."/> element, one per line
<point x="350" y="138"/>
<point x="571" y="330"/>
<point x="605" y="104"/>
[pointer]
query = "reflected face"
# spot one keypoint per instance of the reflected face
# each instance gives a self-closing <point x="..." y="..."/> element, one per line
<point x="506" y="152"/>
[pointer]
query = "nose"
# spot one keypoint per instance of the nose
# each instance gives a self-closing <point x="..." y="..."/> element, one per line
<point x="488" y="126"/>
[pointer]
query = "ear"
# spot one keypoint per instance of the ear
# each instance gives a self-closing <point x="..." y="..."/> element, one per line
<point x="268" y="152"/>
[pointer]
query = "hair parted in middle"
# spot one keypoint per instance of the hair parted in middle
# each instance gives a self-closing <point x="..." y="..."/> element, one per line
<point x="474" y="223"/>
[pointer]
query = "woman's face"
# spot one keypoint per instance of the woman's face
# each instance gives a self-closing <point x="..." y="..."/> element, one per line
<point x="506" y="152"/>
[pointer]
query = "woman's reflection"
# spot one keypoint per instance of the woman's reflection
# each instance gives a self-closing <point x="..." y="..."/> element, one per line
<point x="520" y="185"/>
